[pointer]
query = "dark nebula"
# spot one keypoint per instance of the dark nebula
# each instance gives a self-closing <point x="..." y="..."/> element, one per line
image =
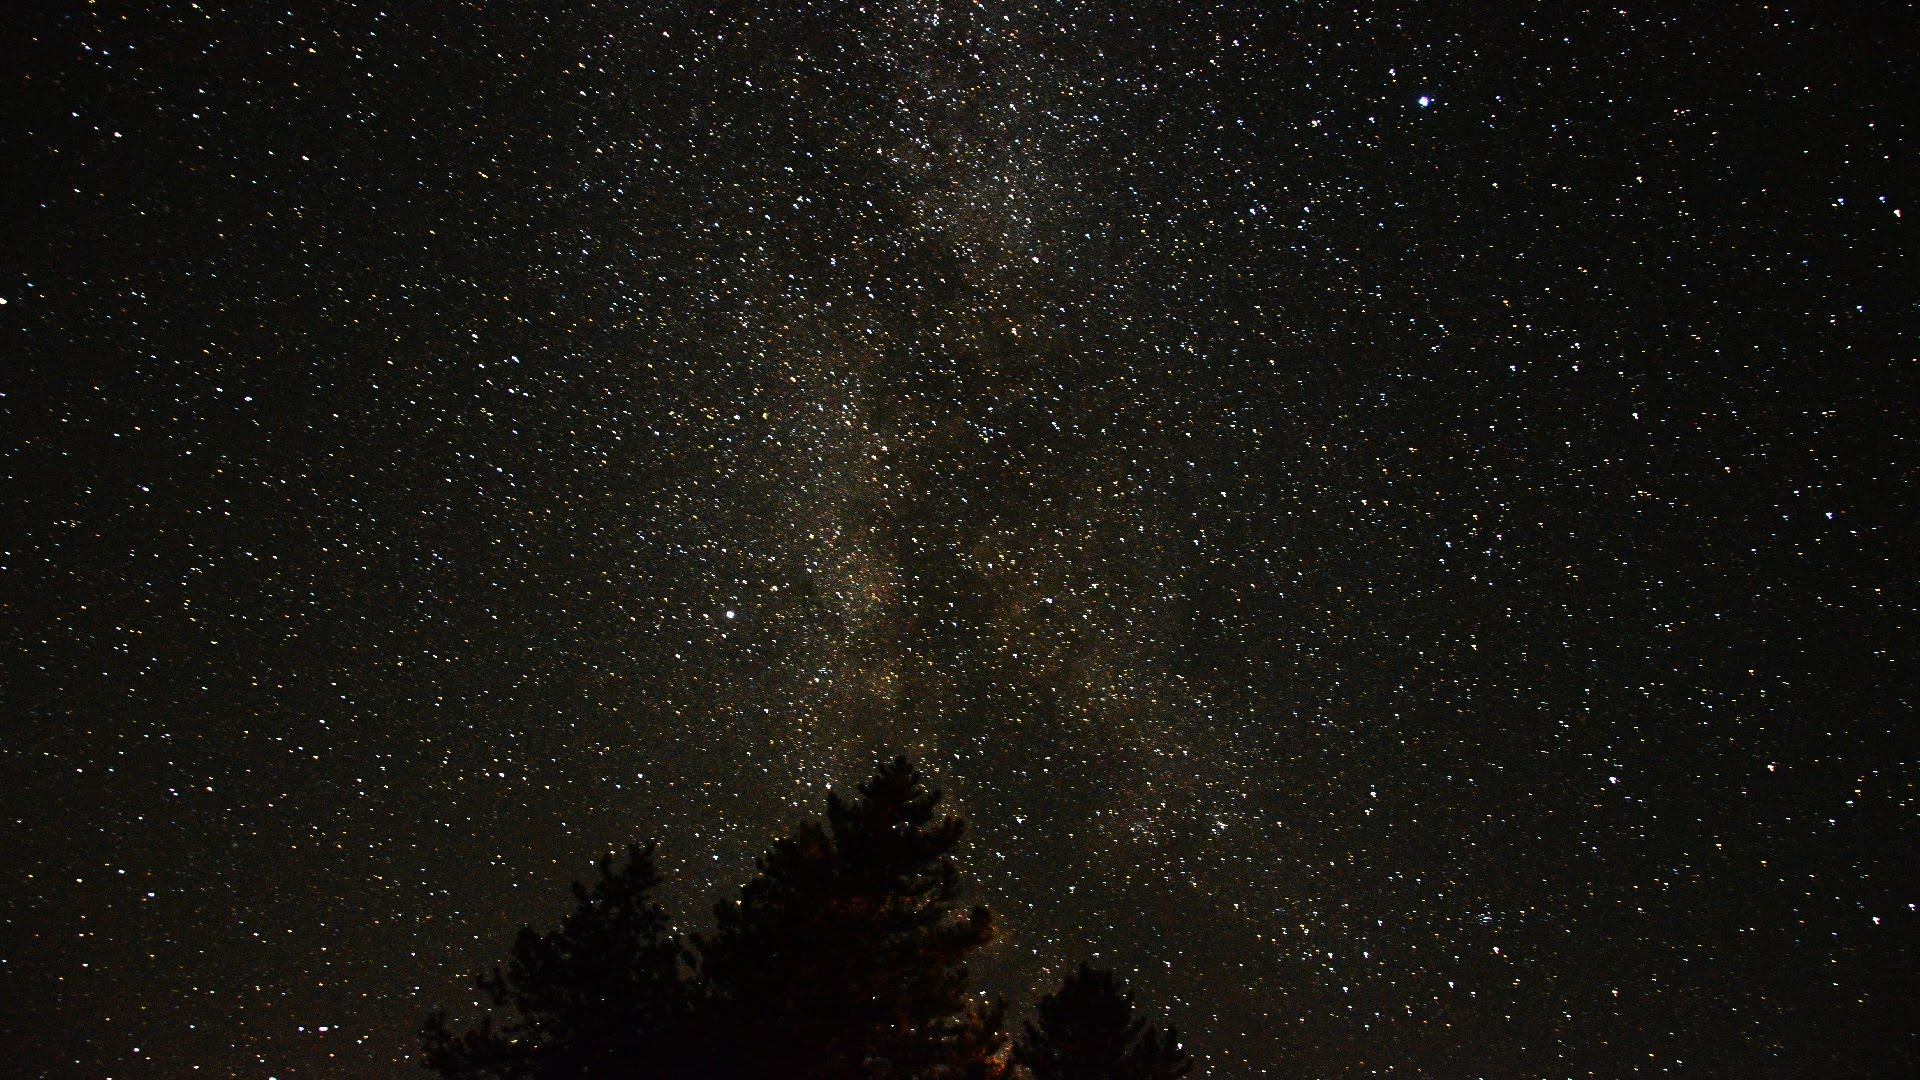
<point x="1394" y="524"/>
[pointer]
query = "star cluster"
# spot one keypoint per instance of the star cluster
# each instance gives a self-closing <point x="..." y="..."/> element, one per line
<point x="1390" y="523"/>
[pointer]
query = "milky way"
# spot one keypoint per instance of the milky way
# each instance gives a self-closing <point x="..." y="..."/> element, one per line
<point x="1391" y="526"/>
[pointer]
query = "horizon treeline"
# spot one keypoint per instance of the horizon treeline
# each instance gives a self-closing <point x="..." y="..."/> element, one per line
<point x="844" y="958"/>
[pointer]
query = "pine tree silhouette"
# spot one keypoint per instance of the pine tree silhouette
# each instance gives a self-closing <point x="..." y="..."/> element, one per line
<point x="601" y="996"/>
<point x="845" y="956"/>
<point x="1086" y="1030"/>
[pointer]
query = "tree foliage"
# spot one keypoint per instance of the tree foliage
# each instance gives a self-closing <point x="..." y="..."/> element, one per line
<point x="864" y="906"/>
<point x="1086" y="1030"/>
<point x="602" y="991"/>
<point x="844" y="958"/>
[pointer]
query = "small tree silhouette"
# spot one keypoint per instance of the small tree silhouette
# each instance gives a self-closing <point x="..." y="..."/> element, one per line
<point x="1086" y="1030"/>
<point x="601" y="995"/>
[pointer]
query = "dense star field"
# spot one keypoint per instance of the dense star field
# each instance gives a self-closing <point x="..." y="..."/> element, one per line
<point x="1394" y="526"/>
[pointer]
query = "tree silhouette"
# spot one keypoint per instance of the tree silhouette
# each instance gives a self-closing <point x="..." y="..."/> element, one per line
<point x="601" y="995"/>
<point x="845" y="956"/>
<point x="1086" y="1030"/>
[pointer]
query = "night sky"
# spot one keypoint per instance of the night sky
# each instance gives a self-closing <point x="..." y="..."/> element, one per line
<point x="1393" y="522"/>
